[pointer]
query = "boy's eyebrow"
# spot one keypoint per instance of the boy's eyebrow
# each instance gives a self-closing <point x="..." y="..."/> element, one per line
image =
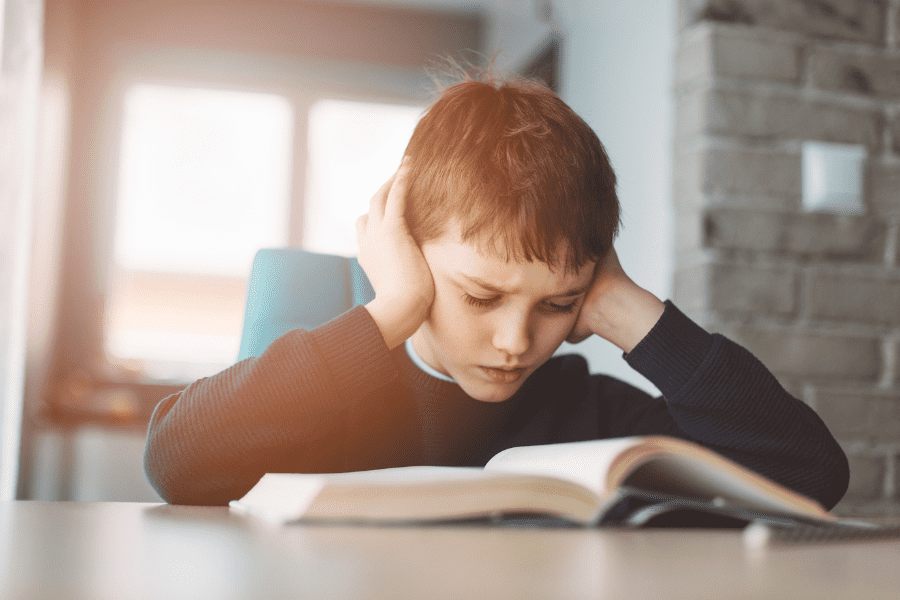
<point x="493" y="288"/>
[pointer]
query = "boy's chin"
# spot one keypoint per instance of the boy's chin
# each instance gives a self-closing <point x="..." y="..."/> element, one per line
<point x="490" y="392"/>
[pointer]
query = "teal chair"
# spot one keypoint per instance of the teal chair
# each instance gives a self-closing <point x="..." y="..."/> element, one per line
<point x="291" y="288"/>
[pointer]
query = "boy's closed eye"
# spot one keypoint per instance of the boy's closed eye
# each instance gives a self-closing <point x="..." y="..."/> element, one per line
<point x="546" y="306"/>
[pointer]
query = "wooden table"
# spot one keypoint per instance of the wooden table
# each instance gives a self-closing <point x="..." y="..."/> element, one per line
<point x="136" y="551"/>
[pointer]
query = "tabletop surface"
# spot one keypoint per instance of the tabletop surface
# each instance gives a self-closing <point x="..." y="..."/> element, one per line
<point x="134" y="550"/>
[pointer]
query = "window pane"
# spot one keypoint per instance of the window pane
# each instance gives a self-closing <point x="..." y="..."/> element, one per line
<point x="354" y="147"/>
<point x="204" y="182"/>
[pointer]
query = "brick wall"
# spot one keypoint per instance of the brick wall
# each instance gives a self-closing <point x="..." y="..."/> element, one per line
<point x="815" y="296"/>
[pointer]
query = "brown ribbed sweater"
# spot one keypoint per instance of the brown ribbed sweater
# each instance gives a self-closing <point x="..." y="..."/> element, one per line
<point x="336" y="399"/>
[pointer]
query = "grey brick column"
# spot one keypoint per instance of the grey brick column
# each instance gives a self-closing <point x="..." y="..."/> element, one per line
<point x="815" y="296"/>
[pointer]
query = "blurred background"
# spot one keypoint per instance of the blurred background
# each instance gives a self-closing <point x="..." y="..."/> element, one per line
<point x="150" y="147"/>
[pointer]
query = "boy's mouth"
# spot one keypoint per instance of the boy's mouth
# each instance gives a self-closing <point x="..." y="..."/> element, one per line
<point x="502" y="375"/>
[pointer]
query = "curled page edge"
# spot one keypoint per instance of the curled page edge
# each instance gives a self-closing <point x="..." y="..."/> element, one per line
<point x="280" y="497"/>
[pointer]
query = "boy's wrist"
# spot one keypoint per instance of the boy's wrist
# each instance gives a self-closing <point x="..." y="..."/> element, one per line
<point x="626" y="314"/>
<point x="672" y="352"/>
<point x="396" y="323"/>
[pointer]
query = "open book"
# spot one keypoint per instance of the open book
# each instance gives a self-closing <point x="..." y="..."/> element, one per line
<point x="580" y="482"/>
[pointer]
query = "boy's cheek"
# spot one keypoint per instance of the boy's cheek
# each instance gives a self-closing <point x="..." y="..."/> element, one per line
<point x="552" y="337"/>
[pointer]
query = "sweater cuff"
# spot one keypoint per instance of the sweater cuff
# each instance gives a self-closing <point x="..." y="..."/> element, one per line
<point x="354" y="350"/>
<point x="671" y="352"/>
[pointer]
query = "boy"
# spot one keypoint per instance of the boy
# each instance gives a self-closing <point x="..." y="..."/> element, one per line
<point x="490" y="246"/>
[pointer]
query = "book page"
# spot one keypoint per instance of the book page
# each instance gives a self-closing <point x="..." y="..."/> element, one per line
<point x="586" y="463"/>
<point x="281" y="497"/>
<point x="683" y="468"/>
<point x="412" y="494"/>
<point x="408" y="475"/>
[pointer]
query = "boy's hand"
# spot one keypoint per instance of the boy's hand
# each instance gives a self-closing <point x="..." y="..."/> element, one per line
<point x="394" y="264"/>
<point x="615" y="307"/>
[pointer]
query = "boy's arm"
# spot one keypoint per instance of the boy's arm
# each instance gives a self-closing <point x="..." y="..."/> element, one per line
<point x="291" y="408"/>
<point x="715" y="392"/>
<point x="719" y="394"/>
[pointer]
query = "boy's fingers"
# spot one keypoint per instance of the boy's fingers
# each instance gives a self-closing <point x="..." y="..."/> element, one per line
<point x="361" y="227"/>
<point x="396" y="200"/>
<point x="379" y="200"/>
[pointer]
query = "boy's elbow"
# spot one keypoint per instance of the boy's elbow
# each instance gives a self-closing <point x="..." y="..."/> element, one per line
<point x="162" y="476"/>
<point x="154" y="471"/>
<point x="177" y="485"/>
<point x="837" y="480"/>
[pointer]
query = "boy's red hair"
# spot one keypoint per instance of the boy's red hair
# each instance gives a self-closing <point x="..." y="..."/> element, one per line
<point x="519" y="171"/>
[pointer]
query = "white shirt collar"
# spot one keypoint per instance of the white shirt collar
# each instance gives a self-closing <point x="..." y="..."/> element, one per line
<point x="414" y="356"/>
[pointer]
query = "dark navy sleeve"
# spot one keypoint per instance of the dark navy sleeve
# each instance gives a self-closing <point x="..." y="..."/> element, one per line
<point x="303" y="405"/>
<point x="717" y="393"/>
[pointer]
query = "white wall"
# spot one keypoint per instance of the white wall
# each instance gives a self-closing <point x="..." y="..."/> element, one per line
<point x="20" y="64"/>
<point x="617" y="62"/>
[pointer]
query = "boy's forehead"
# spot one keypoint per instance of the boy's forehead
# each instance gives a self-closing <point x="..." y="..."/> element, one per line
<point x="490" y="242"/>
<point x="485" y="258"/>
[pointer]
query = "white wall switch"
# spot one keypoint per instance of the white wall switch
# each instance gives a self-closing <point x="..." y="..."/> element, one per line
<point x="833" y="177"/>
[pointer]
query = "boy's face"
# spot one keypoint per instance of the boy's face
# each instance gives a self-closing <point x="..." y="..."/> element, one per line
<point x="493" y="322"/>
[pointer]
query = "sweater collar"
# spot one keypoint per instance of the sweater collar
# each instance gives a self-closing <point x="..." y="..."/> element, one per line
<point x="417" y="360"/>
<point x="455" y="425"/>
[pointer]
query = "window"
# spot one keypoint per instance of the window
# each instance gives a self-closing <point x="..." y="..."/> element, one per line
<point x="354" y="147"/>
<point x="204" y="182"/>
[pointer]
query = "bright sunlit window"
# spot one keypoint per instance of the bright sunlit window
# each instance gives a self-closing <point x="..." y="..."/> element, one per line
<point x="354" y="147"/>
<point x="204" y="182"/>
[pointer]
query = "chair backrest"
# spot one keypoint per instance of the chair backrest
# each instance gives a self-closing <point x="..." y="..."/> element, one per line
<point x="291" y="288"/>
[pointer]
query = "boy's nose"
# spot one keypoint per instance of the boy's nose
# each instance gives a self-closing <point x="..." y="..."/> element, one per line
<point x="512" y="335"/>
